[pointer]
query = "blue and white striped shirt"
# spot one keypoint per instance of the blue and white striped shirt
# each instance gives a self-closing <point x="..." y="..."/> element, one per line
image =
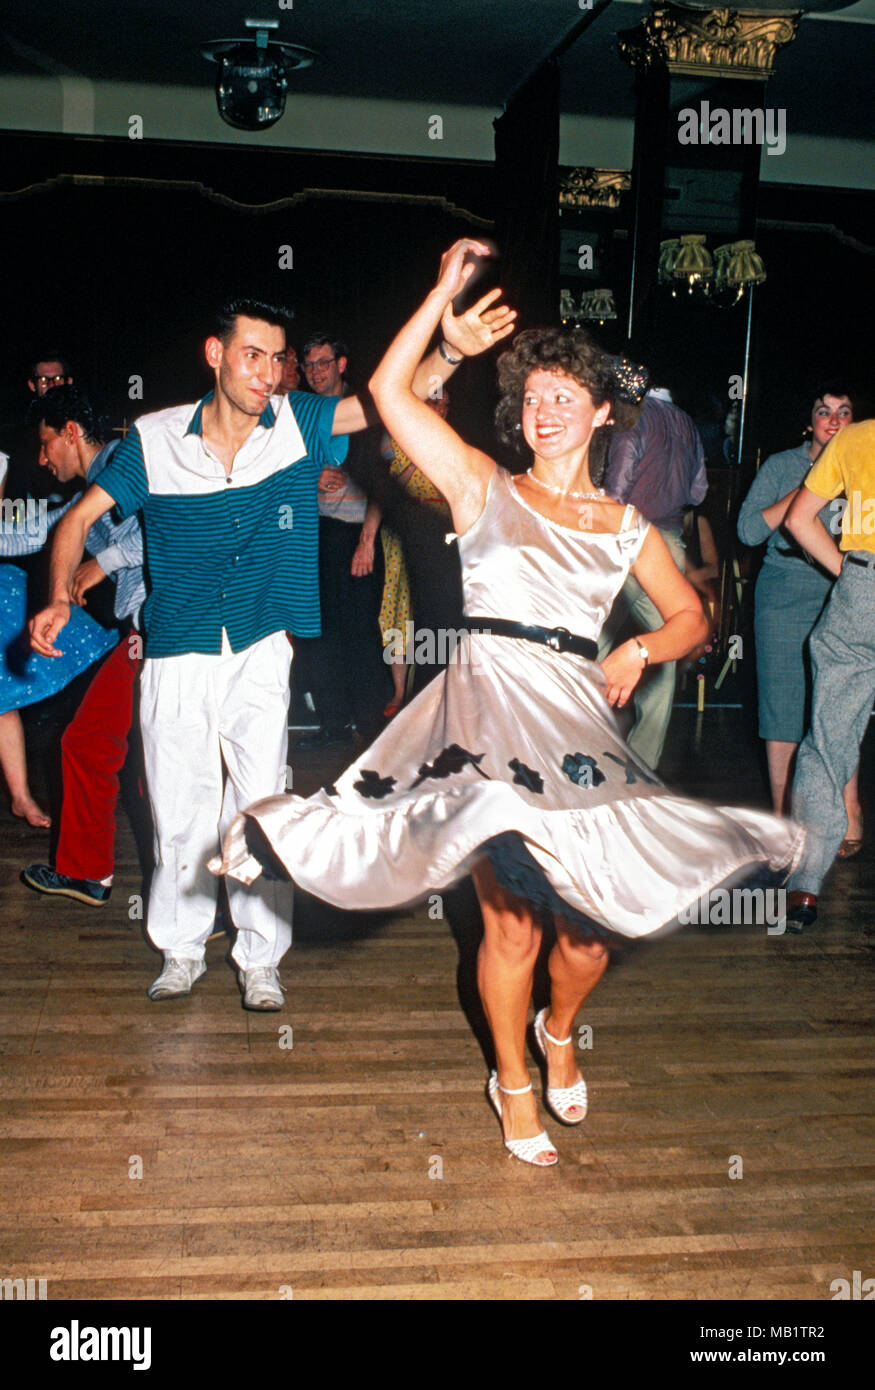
<point x="236" y="551"/>
<point x="116" y="546"/>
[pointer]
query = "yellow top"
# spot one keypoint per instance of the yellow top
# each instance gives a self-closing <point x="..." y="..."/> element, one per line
<point x="847" y="465"/>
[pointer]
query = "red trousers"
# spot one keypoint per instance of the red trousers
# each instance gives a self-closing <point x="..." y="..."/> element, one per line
<point x="93" y="752"/>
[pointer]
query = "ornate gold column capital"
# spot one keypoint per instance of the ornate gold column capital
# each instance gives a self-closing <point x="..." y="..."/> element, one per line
<point x="594" y="188"/>
<point x="713" y="43"/>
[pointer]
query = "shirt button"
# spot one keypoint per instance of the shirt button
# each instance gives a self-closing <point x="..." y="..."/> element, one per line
<point x="228" y="479"/>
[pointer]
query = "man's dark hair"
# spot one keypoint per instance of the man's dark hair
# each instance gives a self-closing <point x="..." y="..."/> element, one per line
<point x="225" y="321"/>
<point x="65" y="403"/>
<point x="338" y="347"/>
<point x="49" y="357"/>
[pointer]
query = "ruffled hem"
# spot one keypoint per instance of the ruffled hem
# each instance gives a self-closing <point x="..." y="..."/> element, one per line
<point x="628" y="867"/>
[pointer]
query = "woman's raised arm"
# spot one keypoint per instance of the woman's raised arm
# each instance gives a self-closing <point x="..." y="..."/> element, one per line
<point x="460" y="472"/>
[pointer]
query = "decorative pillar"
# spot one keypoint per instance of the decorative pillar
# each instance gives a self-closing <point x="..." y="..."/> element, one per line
<point x="701" y="126"/>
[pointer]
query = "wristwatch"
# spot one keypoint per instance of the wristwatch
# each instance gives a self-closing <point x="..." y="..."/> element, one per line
<point x="642" y="651"/>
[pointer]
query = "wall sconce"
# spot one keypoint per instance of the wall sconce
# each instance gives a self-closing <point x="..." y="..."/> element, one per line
<point x="595" y="306"/>
<point x="687" y="259"/>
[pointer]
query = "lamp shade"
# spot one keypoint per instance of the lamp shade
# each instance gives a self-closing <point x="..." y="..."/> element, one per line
<point x="738" y="264"/>
<point x="694" y="259"/>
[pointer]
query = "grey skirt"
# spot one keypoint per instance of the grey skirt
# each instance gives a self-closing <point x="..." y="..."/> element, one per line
<point x="790" y="598"/>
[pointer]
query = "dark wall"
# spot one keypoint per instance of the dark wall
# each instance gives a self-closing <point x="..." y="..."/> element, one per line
<point x="123" y="274"/>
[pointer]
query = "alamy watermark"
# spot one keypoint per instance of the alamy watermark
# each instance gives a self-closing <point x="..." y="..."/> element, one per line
<point x="736" y="907"/>
<point x="854" y="515"/>
<point x="27" y="517"/>
<point x="743" y="125"/>
<point x="426" y="646"/>
<point x="29" y="1289"/>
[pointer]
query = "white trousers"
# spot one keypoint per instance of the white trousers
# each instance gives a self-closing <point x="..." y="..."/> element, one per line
<point x="197" y="712"/>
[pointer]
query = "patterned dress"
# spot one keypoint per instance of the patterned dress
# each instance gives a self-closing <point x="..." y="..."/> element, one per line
<point x="513" y="752"/>
<point x="25" y="676"/>
<point x="395" y="609"/>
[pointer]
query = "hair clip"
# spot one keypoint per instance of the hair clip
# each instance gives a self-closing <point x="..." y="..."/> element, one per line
<point x="630" y="382"/>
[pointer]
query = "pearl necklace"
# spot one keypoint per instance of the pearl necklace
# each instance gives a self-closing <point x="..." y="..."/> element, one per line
<point x="597" y="496"/>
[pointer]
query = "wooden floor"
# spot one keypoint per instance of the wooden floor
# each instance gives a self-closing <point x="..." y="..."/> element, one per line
<point x="362" y="1161"/>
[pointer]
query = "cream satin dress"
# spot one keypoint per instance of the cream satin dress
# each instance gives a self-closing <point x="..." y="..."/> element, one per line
<point x="513" y="752"/>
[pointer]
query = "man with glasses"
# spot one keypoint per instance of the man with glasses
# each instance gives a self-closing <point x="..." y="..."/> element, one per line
<point x="47" y="372"/>
<point x="18" y="441"/>
<point x="345" y="671"/>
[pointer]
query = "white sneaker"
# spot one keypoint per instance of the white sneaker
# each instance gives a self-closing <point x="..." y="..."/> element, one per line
<point x="262" y="988"/>
<point x="177" y="977"/>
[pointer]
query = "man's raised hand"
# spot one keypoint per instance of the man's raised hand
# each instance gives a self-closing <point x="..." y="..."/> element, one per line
<point x="45" y="626"/>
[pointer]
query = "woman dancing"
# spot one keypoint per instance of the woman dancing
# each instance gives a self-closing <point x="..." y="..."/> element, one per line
<point x="791" y="592"/>
<point x="509" y="765"/>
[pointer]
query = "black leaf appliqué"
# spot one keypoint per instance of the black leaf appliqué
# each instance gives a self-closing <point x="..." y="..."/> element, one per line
<point x="526" y="776"/>
<point x="371" y="784"/>
<point x="583" y="770"/>
<point x="448" y="761"/>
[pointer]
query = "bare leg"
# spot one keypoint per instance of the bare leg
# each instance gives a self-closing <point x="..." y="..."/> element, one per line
<point x="852" y="806"/>
<point x="576" y="966"/>
<point x="13" y="762"/>
<point x="505" y="969"/>
<point x="779" y="756"/>
<point x="399" y="681"/>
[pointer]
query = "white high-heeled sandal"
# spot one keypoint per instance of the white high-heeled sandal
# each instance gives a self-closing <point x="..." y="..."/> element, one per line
<point x="525" y="1149"/>
<point x="561" y="1098"/>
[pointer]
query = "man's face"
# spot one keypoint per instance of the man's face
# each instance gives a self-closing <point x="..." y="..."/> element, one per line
<point x="291" y="377"/>
<point x="57" y="451"/>
<point x="249" y="367"/>
<point x="324" y="371"/>
<point x="47" y="375"/>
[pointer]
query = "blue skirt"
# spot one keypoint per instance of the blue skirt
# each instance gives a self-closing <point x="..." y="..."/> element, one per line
<point x="25" y="676"/>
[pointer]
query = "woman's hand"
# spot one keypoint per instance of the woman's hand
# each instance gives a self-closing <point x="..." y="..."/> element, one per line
<point x="623" y="669"/>
<point x="480" y="327"/>
<point x="363" y="558"/>
<point x="455" y="271"/>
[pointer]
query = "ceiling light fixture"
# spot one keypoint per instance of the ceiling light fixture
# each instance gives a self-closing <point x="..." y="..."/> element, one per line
<point x="252" y="80"/>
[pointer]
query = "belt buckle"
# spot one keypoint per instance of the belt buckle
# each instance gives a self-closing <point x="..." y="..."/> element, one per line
<point x="556" y="640"/>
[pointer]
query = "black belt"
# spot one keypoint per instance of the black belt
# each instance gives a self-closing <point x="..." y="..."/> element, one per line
<point x="559" y="639"/>
<point x="855" y="560"/>
<point x="793" y="552"/>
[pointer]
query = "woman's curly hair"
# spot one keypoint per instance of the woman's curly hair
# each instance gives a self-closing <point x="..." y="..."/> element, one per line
<point x="573" y="352"/>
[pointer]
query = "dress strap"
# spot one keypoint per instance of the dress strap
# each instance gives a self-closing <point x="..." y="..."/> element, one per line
<point x="628" y="518"/>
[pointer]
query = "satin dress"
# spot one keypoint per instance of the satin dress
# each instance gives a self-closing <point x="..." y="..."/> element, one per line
<point x="514" y="753"/>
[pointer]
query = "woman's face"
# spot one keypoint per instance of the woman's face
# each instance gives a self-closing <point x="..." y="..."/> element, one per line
<point x="558" y="414"/>
<point x="830" y="414"/>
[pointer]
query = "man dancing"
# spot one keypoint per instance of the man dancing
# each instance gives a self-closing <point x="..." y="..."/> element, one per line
<point x="227" y="489"/>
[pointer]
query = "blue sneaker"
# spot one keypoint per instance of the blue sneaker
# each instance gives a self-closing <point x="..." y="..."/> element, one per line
<point x="45" y="879"/>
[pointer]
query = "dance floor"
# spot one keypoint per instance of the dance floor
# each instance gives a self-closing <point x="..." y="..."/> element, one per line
<point x="343" y="1149"/>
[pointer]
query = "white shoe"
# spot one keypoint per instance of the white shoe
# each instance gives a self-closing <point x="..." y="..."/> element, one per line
<point x="538" y="1149"/>
<point x="561" y="1099"/>
<point x="177" y="977"/>
<point x="261" y="988"/>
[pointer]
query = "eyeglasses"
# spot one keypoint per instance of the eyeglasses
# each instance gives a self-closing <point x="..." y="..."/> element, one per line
<point x="50" y="380"/>
<point x="320" y="362"/>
